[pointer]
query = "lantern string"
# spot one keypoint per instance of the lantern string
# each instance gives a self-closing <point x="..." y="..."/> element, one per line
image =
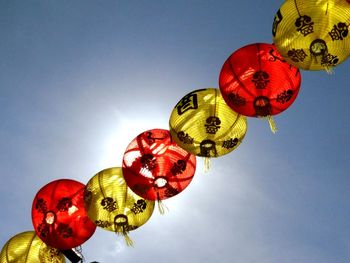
<point x="207" y="164"/>
<point x="272" y="124"/>
<point x="162" y="207"/>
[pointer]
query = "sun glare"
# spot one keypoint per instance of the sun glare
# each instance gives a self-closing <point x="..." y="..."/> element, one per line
<point x="119" y="134"/>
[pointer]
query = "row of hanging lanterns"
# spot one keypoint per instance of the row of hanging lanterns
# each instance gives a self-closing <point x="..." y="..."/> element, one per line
<point x="257" y="80"/>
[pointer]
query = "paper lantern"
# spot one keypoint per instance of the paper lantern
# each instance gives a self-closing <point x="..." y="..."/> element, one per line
<point x="59" y="216"/>
<point x="203" y="124"/>
<point x="113" y="206"/>
<point x="27" y="247"/>
<point x="313" y="35"/>
<point x="256" y="81"/>
<point x="155" y="167"/>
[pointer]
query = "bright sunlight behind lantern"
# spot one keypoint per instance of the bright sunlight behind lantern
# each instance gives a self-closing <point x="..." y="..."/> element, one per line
<point x="121" y="131"/>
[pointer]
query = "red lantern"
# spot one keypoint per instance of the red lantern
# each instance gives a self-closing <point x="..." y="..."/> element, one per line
<point x="155" y="167"/>
<point x="256" y="81"/>
<point x="59" y="216"/>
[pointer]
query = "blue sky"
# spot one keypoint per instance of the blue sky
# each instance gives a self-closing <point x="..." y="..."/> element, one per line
<point x="80" y="79"/>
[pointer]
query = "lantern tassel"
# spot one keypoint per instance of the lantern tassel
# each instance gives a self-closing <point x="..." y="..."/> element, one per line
<point x="128" y="240"/>
<point x="329" y="70"/>
<point x="162" y="207"/>
<point x="272" y="123"/>
<point x="123" y="228"/>
<point x="49" y="254"/>
<point x="125" y="233"/>
<point x="207" y="164"/>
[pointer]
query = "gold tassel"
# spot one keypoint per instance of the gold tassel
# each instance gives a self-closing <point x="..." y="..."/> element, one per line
<point x="329" y="70"/>
<point x="121" y="227"/>
<point x="49" y="254"/>
<point x="162" y="207"/>
<point x="128" y="240"/>
<point x="207" y="164"/>
<point x="272" y="124"/>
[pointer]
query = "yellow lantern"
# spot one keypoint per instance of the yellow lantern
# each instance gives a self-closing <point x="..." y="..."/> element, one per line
<point x="313" y="35"/>
<point x="112" y="205"/>
<point x="204" y="125"/>
<point x="27" y="247"/>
